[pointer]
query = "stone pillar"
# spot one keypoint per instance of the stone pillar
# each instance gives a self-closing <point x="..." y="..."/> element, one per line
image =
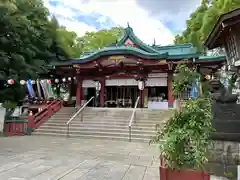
<point x="170" y="91"/>
<point x="79" y="92"/>
<point x="102" y="81"/>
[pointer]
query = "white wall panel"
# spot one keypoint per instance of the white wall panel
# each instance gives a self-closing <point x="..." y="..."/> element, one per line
<point x="88" y="83"/>
<point x="121" y="82"/>
<point x="156" y="82"/>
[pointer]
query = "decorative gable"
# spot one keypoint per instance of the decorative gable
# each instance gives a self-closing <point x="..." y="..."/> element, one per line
<point x="130" y="39"/>
<point x="128" y="42"/>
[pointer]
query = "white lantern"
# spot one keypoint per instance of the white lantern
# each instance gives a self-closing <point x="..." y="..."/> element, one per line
<point x="33" y="82"/>
<point x="64" y="79"/>
<point x="208" y="77"/>
<point x="56" y="80"/>
<point x="98" y="86"/>
<point x="141" y="85"/>
<point x="74" y="78"/>
<point x="10" y="81"/>
<point x="69" y="78"/>
<point x="22" y="82"/>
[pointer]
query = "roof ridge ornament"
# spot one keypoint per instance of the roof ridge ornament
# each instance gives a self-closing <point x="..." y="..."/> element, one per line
<point x="154" y="42"/>
<point x="128" y="25"/>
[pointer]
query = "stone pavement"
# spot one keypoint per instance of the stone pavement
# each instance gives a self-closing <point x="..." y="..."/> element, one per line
<point x="53" y="158"/>
<point x="58" y="158"/>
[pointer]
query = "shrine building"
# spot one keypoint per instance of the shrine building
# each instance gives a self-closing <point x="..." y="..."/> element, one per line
<point x="120" y="73"/>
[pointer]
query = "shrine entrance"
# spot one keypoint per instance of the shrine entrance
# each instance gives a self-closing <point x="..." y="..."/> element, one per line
<point x="121" y="96"/>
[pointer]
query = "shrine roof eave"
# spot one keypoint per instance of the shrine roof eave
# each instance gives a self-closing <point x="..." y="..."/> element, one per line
<point x="197" y="57"/>
<point x="206" y="59"/>
<point x="212" y="38"/>
<point x="119" y="51"/>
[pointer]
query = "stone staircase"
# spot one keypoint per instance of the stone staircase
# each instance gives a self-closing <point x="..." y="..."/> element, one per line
<point x="106" y="123"/>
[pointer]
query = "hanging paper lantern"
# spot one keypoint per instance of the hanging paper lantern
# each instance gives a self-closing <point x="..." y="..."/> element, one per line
<point x="49" y="81"/>
<point x="74" y="78"/>
<point x="56" y="80"/>
<point x="22" y="82"/>
<point x="64" y="79"/>
<point x="10" y="81"/>
<point x="33" y="82"/>
<point x="208" y="77"/>
<point x="140" y="85"/>
<point x="69" y="78"/>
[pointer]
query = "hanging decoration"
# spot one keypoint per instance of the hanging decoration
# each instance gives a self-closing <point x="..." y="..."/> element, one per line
<point x="22" y="82"/>
<point x="141" y="85"/>
<point x="10" y="81"/>
<point x="208" y="77"/>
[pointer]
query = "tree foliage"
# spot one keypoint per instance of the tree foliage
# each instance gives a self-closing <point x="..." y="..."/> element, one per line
<point x="184" y="79"/>
<point x="185" y="138"/>
<point x="91" y="41"/>
<point x="96" y="40"/>
<point x="29" y="39"/>
<point x="201" y="22"/>
<point x="27" y="42"/>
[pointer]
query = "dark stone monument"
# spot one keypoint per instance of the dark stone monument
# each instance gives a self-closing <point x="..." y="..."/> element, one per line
<point x="226" y="113"/>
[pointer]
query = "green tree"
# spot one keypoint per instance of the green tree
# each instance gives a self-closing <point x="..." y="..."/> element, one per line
<point x="96" y="40"/>
<point x="26" y="40"/>
<point x="202" y="21"/>
<point x="69" y="42"/>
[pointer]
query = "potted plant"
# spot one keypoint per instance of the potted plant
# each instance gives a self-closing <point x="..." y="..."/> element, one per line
<point x="184" y="140"/>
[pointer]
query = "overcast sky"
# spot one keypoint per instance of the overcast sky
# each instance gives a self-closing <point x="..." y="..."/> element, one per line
<point x="159" y="19"/>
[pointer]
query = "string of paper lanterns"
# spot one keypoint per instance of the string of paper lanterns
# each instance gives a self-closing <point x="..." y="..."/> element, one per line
<point x="65" y="79"/>
<point x="23" y="82"/>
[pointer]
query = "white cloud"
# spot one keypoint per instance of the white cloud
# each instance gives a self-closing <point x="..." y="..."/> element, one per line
<point x="65" y="17"/>
<point x="120" y="12"/>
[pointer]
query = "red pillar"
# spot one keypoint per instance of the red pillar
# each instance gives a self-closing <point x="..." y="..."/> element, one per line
<point x="170" y="91"/>
<point x="79" y="92"/>
<point x="102" y="92"/>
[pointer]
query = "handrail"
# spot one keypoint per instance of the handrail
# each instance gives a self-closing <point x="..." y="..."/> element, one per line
<point x="79" y="111"/>
<point x="132" y="117"/>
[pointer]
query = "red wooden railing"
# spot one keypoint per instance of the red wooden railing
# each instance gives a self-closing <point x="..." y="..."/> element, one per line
<point x="35" y="120"/>
<point x="15" y="127"/>
<point x="22" y="127"/>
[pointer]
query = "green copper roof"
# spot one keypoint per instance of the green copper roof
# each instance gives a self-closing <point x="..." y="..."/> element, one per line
<point x="176" y="49"/>
<point x="144" y="51"/>
<point x="211" y="58"/>
<point x="122" y="50"/>
<point x="129" y="34"/>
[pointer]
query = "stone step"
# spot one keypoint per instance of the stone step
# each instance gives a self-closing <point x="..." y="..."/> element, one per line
<point x="149" y="127"/>
<point x="133" y="139"/>
<point x="113" y="122"/>
<point x="107" y="119"/>
<point x="98" y="133"/>
<point x="99" y="129"/>
<point x="105" y="123"/>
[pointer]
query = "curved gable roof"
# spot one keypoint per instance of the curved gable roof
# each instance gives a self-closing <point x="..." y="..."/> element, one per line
<point x="129" y="34"/>
<point x="119" y="50"/>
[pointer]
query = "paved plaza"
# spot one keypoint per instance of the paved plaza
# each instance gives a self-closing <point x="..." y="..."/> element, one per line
<point x="53" y="158"/>
<point x="59" y="158"/>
